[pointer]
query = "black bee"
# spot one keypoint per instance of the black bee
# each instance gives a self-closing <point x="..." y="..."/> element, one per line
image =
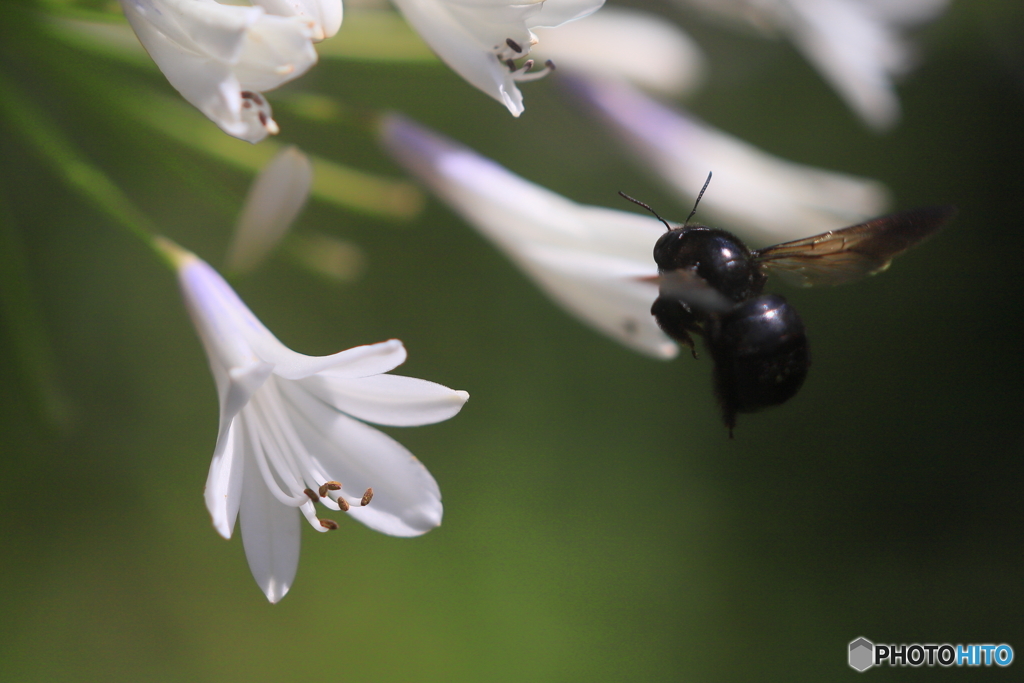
<point x="710" y="285"/>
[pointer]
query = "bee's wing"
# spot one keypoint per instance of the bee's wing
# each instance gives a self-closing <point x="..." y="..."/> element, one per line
<point x="840" y="256"/>
<point x="683" y="284"/>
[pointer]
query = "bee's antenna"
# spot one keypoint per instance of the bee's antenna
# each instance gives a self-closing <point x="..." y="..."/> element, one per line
<point x="640" y="203"/>
<point x="706" y="183"/>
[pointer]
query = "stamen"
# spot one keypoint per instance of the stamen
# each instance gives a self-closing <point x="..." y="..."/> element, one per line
<point x="514" y="45"/>
<point x="312" y="495"/>
<point x="343" y="504"/>
<point x="329" y="486"/>
<point x="258" y="441"/>
<point x="524" y="74"/>
<point x="328" y="524"/>
<point x="511" y="65"/>
<point x="367" y="497"/>
<point x="254" y="96"/>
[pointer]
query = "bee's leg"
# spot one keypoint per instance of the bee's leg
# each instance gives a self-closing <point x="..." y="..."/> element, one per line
<point x="677" y="321"/>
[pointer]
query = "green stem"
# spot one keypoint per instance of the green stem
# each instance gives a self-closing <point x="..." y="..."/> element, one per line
<point x="81" y="175"/>
<point x="26" y="330"/>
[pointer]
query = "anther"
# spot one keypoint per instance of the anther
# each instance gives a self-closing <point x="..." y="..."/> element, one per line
<point x="329" y="486"/>
<point x="312" y="495"/>
<point x="549" y="64"/>
<point x="329" y="524"/>
<point x="527" y="65"/>
<point x="510" y="64"/>
<point x="343" y="504"/>
<point x="367" y="497"/>
<point x="255" y="97"/>
<point x="514" y="45"/>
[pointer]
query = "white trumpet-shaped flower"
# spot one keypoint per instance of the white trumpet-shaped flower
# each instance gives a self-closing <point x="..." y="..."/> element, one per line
<point x="482" y="39"/>
<point x="222" y="57"/>
<point x="650" y="51"/>
<point x="756" y="193"/>
<point x="856" y="45"/>
<point x="326" y="14"/>
<point x="595" y="262"/>
<point x="293" y="434"/>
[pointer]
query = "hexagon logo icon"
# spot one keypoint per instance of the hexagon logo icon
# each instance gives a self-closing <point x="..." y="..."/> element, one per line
<point x="862" y="654"/>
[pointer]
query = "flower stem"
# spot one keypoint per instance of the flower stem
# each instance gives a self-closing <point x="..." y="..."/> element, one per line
<point x="66" y="160"/>
<point x="25" y="329"/>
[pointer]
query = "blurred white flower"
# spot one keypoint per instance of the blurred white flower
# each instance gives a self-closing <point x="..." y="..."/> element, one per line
<point x="480" y="39"/>
<point x="649" y="50"/>
<point x="292" y="432"/>
<point x="753" y="192"/>
<point x="596" y="262"/>
<point x="856" y="45"/>
<point x="221" y="57"/>
<point x="325" y="13"/>
<point x="275" y="199"/>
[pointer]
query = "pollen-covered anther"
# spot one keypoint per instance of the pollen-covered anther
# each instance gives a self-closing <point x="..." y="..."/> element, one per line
<point x="367" y="497"/>
<point x="516" y="47"/>
<point x="269" y="123"/>
<point x="523" y="73"/>
<point x="343" y="504"/>
<point x="312" y="495"/>
<point x="328" y="524"/>
<point x="255" y="103"/>
<point x="329" y="486"/>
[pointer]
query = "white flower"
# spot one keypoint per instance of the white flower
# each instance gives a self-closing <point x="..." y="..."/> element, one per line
<point x="275" y="199"/>
<point x="756" y="193"/>
<point x="856" y="44"/>
<point x="326" y="14"/>
<point x="292" y="432"/>
<point x="596" y="262"/>
<point x="650" y="51"/>
<point x="479" y="39"/>
<point x="221" y="57"/>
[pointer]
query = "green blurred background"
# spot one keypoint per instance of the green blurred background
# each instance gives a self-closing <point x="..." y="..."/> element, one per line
<point x="599" y="524"/>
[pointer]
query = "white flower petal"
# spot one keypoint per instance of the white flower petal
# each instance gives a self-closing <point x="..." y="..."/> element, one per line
<point x="648" y="50"/>
<point x="470" y="50"/>
<point x="201" y="26"/>
<point x="271" y="535"/>
<point x="856" y="44"/>
<point x="219" y="56"/>
<point x="558" y="12"/>
<point x="590" y="260"/>
<point x="280" y="447"/>
<point x="406" y="499"/>
<point x="224" y="483"/>
<point x="752" y="192"/>
<point x="854" y="52"/>
<point x="276" y="50"/>
<point x="604" y="292"/>
<point x="275" y="199"/>
<point x="387" y="399"/>
<point x="326" y="13"/>
<point x="235" y="338"/>
<point x="470" y="36"/>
